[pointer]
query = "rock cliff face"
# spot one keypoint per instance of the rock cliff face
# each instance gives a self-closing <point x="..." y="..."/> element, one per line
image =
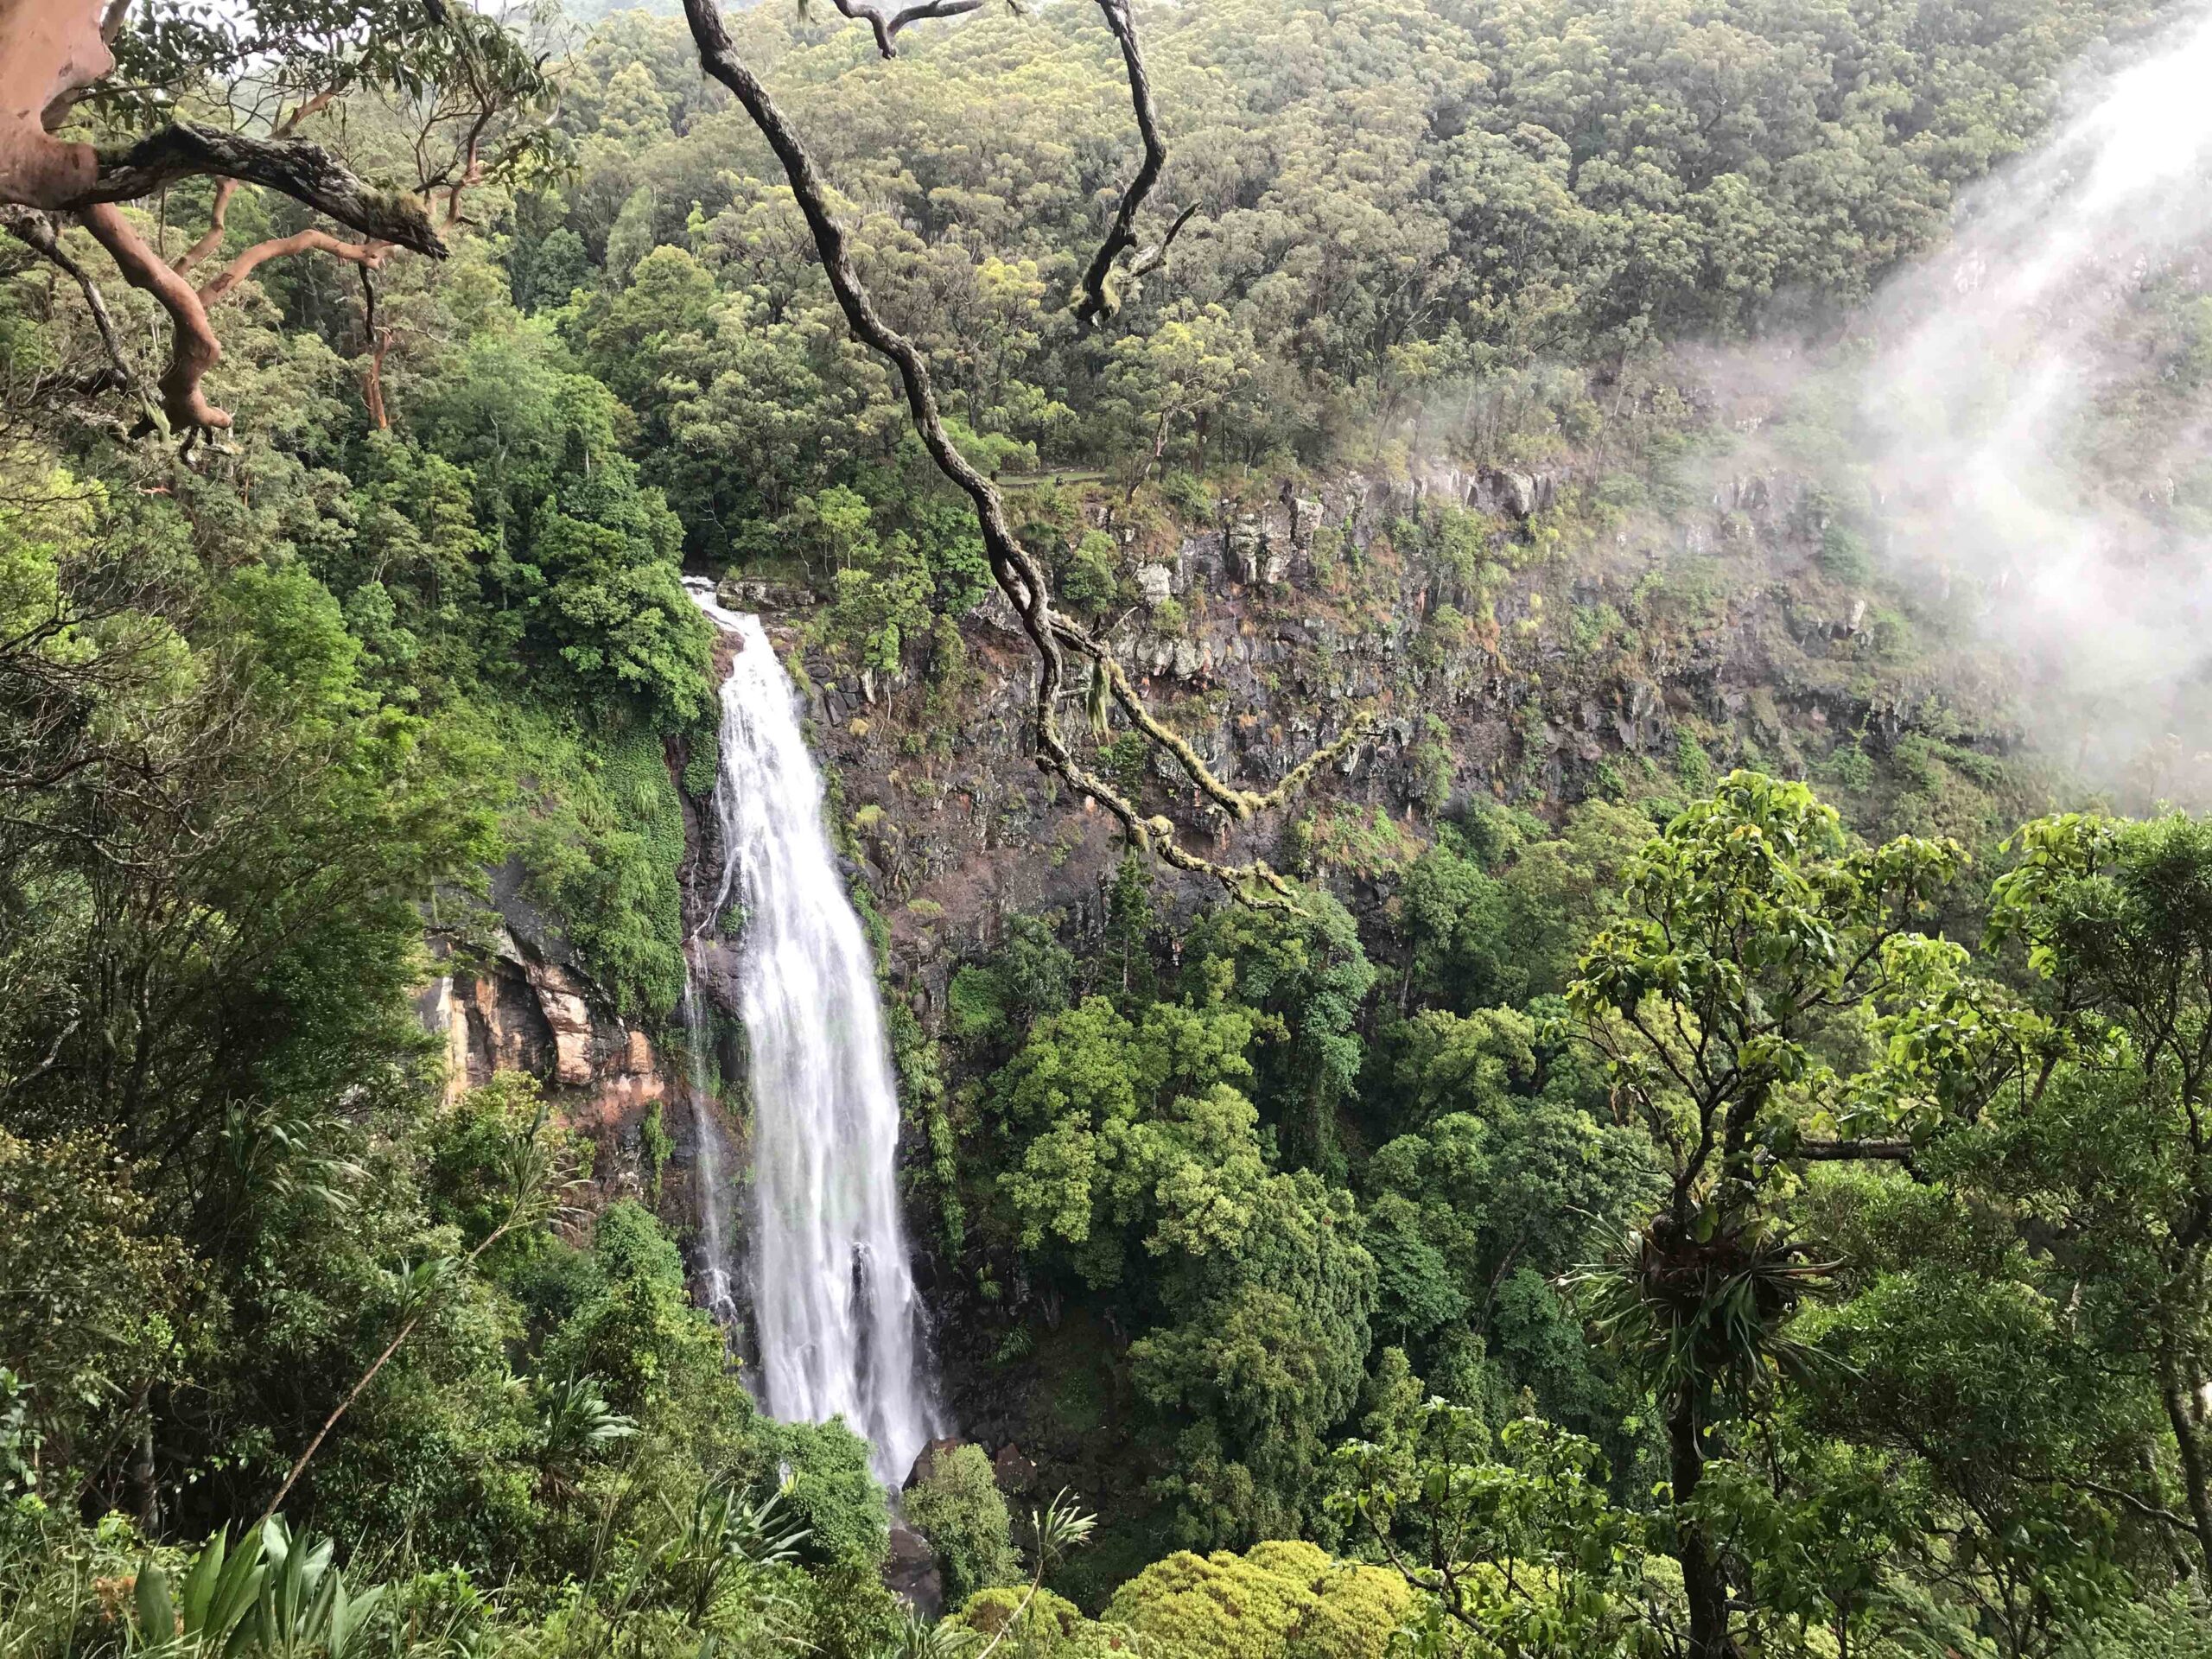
<point x="1517" y="642"/>
<point x="515" y="1012"/>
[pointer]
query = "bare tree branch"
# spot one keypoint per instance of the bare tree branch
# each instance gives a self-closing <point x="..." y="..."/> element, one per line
<point x="195" y="349"/>
<point x="1122" y="235"/>
<point x="1156" y="256"/>
<point x="40" y="233"/>
<point x="302" y="171"/>
<point x="887" y="24"/>
<point x="1017" y="572"/>
<point x="219" y="225"/>
<point x="371" y="254"/>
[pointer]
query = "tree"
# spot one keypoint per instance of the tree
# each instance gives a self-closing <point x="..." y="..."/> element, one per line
<point x="2116" y="922"/>
<point x="1306" y="975"/>
<point x="1020" y="576"/>
<point x="466" y="90"/>
<point x="1755" y="930"/>
<point x="957" y="1506"/>
<point x="1524" y="1551"/>
<point x="1276" y="1600"/>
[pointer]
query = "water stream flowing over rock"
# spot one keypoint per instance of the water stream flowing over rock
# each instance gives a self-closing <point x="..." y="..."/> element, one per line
<point x="835" y="1315"/>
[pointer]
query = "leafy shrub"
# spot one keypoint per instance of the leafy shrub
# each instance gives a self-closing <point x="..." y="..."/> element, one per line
<point x="959" y="1508"/>
<point x="1279" y="1600"/>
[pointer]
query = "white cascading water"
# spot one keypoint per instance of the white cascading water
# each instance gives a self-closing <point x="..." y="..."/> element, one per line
<point x="835" y="1314"/>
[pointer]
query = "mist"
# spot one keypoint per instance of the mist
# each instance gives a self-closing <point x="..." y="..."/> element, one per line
<point x="2032" y="410"/>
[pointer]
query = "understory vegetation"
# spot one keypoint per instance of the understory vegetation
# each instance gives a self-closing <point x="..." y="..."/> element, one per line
<point x="1717" y="1173"/>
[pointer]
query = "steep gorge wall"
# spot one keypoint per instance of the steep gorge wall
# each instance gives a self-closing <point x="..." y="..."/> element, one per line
<point x="1594" y="646"/>
<point x="1591" y="647"/>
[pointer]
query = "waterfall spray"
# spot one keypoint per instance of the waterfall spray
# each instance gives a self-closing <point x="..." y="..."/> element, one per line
<point x="1994" y="410"/>
<point x="836" y="1313"/>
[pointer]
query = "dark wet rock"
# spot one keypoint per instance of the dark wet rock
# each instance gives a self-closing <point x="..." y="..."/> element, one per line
<point x="1013" y="1472"/>
<point x="911" y="1572"/>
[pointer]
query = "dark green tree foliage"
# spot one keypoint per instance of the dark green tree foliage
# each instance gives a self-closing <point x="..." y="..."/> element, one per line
<point x="1307" y="975"/>
<point x="994" y="1003"/>
<point x="1136" y="1159"/>
<point x="957" y="1506"/>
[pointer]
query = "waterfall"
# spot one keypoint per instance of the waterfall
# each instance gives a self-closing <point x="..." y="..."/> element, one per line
<point x="835" y="1315"/>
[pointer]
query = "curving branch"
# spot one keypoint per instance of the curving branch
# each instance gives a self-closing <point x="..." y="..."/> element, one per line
<point x="1121" y="234"/>
<point x="211" y="239"/>
<point x="1018" y="574"/>
<point x="300" y="168"/>
<point x="885" y="24"/>
<point x="1156" y="256"/>
<point x="371" y="254"/>
<point x="195" y="350"/>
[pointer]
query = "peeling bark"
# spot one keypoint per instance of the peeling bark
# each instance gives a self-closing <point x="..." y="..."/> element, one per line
<point x="50" y="51"/>
<point x="195" y="350"/>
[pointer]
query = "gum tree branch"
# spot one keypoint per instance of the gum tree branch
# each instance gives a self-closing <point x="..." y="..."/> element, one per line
<point x="371" y="254"/>
<point x="299" y="169"/>
<point x="1121" y="234"/>
<point x="39" y="233"/>
<point x="885" y="24"/>
<point x="48" y="55"/>
<point x="194" y="349"/>
<point x="1018" y="574"/>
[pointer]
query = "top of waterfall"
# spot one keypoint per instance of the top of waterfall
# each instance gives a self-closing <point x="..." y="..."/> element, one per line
<point x="706" y="595"/>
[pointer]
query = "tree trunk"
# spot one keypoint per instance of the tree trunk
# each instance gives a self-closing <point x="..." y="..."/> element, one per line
<point x="143" y="1483"/>
<point x="1702" y="1583"/>
<point x="2189" y="1443"/>
<point x="372" y="384"/>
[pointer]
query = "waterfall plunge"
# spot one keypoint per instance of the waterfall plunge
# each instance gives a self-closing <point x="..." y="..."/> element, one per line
<point x="834" y="1311"/>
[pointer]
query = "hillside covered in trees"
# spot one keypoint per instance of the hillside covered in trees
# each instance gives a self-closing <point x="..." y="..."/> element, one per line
<point x="1514" y="1037"/>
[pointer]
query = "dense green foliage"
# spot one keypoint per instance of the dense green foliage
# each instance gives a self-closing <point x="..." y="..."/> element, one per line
<point x="1624" y="1208"/>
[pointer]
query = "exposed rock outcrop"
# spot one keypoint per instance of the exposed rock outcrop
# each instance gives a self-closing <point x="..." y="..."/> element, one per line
<point x="512" y="1012"/>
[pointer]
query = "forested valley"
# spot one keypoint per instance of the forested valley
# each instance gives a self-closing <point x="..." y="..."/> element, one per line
<point x="1519" y="1022"/>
